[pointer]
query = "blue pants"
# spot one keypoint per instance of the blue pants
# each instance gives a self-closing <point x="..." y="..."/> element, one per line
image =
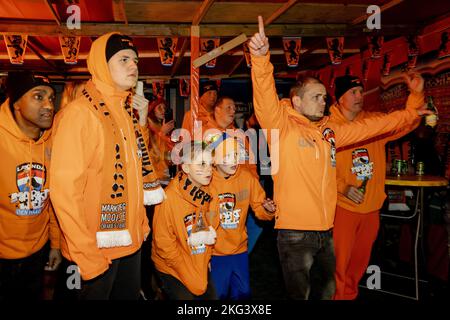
<point x="231" y="276"/>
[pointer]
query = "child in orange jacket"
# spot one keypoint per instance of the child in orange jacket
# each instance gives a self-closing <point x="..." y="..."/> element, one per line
<point x="234" y="189"/>
<point x="181" y="247"/>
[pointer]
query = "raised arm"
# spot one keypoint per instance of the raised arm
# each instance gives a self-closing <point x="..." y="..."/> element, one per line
<point x="265" y="99"/>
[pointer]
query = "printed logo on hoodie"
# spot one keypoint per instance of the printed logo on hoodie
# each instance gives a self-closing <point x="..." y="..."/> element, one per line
<point x="362" y="166"/>
<point x="31" y="196"/>
<point x="330" y="137"/>
<point x="229" y="217"/>
<point x="188" y="223"/>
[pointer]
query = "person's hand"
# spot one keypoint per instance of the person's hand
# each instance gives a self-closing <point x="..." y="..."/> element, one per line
<point x="423" y="111"/>
<point x="141" y="105"/>
<point x="167" y="127"/>
<point x="415" y="82"/>
<point x="269" y="205"/>
<point x="259" y="43"/>
<point x="354" y="194"/>
<point x="54" y="260"/>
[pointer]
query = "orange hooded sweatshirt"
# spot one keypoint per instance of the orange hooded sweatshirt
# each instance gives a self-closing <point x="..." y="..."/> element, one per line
<point x="172" y="224"/>
<point x="305" y="188"/>
<point x="355" y="162"/>
<point x="231" y="199"/>
<point x="26" y="224"/>
<point x="77" y="166"/>
<point x="203" y="115"/>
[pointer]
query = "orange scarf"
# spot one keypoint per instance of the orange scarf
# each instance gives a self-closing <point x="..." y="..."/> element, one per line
<point x="112" y="228"/>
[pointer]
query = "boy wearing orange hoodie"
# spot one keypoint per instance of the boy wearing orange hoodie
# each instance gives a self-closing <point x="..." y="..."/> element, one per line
<point x="181" y="248"/>
<point x="305" y="188"/>
<point x="102" y="174"/>
<point x="27" y="220"/>
<point x="234" y="189"/>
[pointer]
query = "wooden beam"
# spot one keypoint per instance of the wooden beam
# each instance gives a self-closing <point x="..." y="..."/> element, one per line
<point x="240" y="39"/>
<point x="207" y="30"/>
<point x="180" y="57"/>
<point x="201" y="12"/>
<point x="54" y="13"/>
<point x="383" y="8"/>
<point x="279" y="12"/>
<point x="119" y="11"/>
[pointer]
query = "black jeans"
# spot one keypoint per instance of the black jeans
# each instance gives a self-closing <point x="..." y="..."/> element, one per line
<point x="175" y="290"/>
<point x="122" y="281"/>
<point x="308" y="263"/>
<point x="22" y="279"/>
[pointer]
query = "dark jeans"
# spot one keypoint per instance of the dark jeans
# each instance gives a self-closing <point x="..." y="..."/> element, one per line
<point x="175" y="290"/>
<point x="122" y="281"/>
<point x="22" y="279"/>
<point x="308" y="263"/>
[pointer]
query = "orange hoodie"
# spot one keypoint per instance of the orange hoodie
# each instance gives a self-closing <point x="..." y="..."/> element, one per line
<point x="231" y="200"/>
<point x="203" y="115"/>
<point x="77" y="164"/>
<point x="172" y="225"/>
<point x="355" y="162"/>
<point x="305" y="184"/>
<point x="25" y="224"/>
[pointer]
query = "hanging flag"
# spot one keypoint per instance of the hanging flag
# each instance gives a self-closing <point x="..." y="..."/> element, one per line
<point x="444" y="48"/>
<point x="167" y="47"/>
<point x="208" y="45"/>
<point x="70" y="47"/>
<point x="412" y="62"/>
<point x="365" y="69"/>
<point x="335" y="49"/>
<point x="386" y="64"/>
<point x="413" y="46"/>
<point x="348" y="71"/>
<point x="184" y="87"/>
<point x="247" y="54"/>
<point x="158" y="89"/>
<point x="292" y="46"/>
<point x="375" y="45"/>
<point x="16" y="46"/>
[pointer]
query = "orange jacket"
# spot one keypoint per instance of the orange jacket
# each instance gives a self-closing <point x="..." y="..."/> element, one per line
<point x="203" y="115"/>
<point x="25" y="224"/>
<point x="172" y="221"/>
<point x="357" y="161"/>
<point x="231" y="200"/>
<point x="77" y="164"/>
<point x="305" y="184"/>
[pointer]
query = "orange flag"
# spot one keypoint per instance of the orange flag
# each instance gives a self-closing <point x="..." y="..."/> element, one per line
<point x="16" y="46"/>
<point x="167" y="49"/>
<point x="70" y="47"/>
<point x="292" y="46"/>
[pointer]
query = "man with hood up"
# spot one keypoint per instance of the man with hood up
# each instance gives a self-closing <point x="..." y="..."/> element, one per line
<point x="27" y="220"/>
<point x="102" y="173"/>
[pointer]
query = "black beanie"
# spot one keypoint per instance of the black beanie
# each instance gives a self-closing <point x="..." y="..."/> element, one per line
<point x="20" y="82"/>
<point x="118" y="42"/>
<point x="344" y="83"/>
<point x="207" y="86"/>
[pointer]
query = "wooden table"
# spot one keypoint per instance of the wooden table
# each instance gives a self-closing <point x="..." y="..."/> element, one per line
<point x="419" y="182"/>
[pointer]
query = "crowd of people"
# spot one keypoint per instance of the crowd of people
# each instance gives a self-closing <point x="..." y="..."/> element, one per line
<point x="89" y="185"/>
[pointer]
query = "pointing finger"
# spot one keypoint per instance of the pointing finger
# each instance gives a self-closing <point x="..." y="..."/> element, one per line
<point x="261" y="26"/>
